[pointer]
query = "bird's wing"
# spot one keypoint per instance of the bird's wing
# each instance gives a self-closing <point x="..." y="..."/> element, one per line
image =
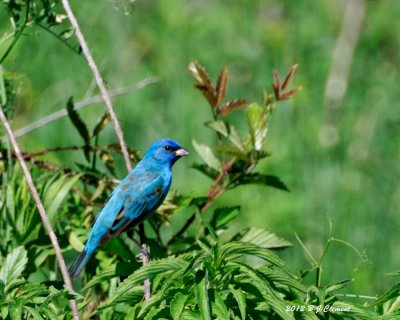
<point x="140" y="197"/>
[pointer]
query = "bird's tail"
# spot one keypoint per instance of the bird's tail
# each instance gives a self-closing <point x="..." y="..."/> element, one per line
<point x="80" y="263"/>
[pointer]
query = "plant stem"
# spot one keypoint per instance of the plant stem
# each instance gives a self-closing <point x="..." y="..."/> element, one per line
<point x="99" y="80"/>
<point x="107" y="100"/>
<point x="80" y="104"/>
<point x="145" y="261"/>
<point x="58" y="37"/>
<point x="42" y="212"/>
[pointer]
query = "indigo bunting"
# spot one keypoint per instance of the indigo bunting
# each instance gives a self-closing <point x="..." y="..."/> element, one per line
<point x="137" y="196"/>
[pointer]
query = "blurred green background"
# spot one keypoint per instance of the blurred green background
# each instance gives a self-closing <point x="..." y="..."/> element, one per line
<point x="344" y="167"/>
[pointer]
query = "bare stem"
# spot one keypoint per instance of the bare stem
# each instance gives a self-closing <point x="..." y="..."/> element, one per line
<point x="100" y="82"/>
<point x="80" y="104"/>
<point x="107" y="100"/>
<point x="145" y="260"/>
<point x="42" y="212"/>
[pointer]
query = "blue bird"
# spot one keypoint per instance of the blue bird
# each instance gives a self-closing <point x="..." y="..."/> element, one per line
<point x="137" y="196"/>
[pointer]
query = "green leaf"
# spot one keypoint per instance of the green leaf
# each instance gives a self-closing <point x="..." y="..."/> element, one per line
<point x="222" y="216"/>
<point x="202" y="294"/>
<point x="177" y="305"/>
<point x="192" y="315"/>
<point x="392" y="293"/>
<point x="228" y="131"/>
<point x="57" y="192"/>
<point x="264" y="179"/>
<point x="149" y="271"/>
<point x="106" y="274"/>
<point x="34" y="313"/>
<point x="240" y="299"/>
<point x="219" y="308"/>
<point x="352" y="311"/>
<point x="205" y="169"/>
<point x="278" y="277"/>
<point x="101" y="124"/>
<point x="206" y="153"/>
<point x="79" y="125"/>
<point x="3" y="95"/>
<point x="263" y="238"/>
<point x="337" y="286"/>
<point x="257" y="119"/>
<point x="233" y="250"/>
<point x="13" y="265"/>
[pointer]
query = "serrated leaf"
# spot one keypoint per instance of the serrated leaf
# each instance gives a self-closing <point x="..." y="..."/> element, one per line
<point x="228" y="131"/>
<point x="277" y="276"/>
<point x="192" y="315"/>
<point x="263" y="179"/>
<point x="148" y="271"/>
<point x="264" y="239"/>
<point x="178" y="305"/>
<point x="34" y="313"/>
<point x="223" y="216"/>
<point x="203" y="82"/>
<point x="206" y="153"/>
<point x="13" y="265"/>
<point x="220" y="89"/>
<point x="352" y="311"/>
<point x="257" y="119"/>
<point x="240" y="299"/>
<point x="228" y="107"/>
<point x="219" y="308"/>
<point x="79" y="125"/>
<point x="272" y="300"/>
<point x="337" y="286"/>
<point x="392" y="293"/>
<point x="233" y="250"/>
<point x="205" y="169"/>
<point x="202" y="294"/>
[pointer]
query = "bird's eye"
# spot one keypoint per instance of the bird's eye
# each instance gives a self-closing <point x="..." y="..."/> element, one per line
<point x="168" y="148"/>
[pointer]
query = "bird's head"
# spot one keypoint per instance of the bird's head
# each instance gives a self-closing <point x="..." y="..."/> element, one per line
<point x="166" y="151"/>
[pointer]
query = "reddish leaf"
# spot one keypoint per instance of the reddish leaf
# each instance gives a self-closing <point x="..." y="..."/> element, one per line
<point x="289" y="76"/>
<point x="203" y="82"/>
<point x="220" y="89"/>
<point x="208" y="93"/>
<point x="199" y="74"/>
<point x="290" y="93"/>
<point x="227" y="107"/>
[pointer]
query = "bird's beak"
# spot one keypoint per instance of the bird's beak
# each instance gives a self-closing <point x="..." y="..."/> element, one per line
<point x="181" y="152"/>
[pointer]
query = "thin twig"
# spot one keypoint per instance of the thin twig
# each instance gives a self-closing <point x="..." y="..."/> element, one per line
<point x="83" y="103"/>
<point x="100" y="82"/>
<point x="42" y="212"/>
<point x="212" y="195"/>
<point x="107" y="99"/>
<point x="145" y="261"/>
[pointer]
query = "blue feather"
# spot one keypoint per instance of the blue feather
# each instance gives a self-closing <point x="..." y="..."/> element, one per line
<point x="137" y="196"/>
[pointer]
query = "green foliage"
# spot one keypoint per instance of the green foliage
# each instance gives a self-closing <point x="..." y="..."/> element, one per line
<point x="43" y="14"/>
<point x="210" y="282"/>
<point x="198" y="272"/>
<point x="21" y="299"/>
